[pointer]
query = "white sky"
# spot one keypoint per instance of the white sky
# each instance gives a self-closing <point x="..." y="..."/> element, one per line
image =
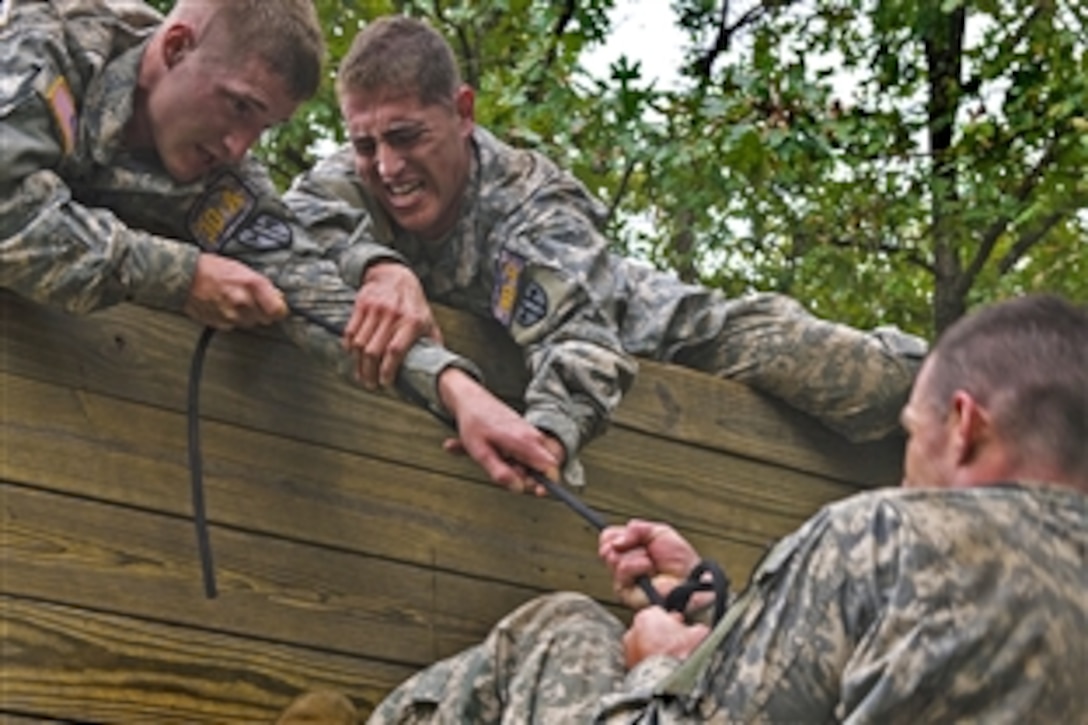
<point x="644" y="31"/>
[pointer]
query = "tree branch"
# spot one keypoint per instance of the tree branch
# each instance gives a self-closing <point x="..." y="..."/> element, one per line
<point x="621" y="190"/>
<point x="1029" y="240"/>
<point x="561" y="23"/>
<point x="912" y="256"/>
<point x="702" y="65"/>
<point x="994" y="231"/>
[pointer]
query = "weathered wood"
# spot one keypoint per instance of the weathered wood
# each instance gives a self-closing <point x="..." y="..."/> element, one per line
<point x="280" y="486"/>
<point x="136" y="354"/>
<point x="350" y="549"/>
<point x="78" y="664"/>
<point x="87" y="554"/>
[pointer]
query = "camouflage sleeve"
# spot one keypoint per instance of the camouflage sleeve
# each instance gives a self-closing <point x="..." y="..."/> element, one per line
<point x="53" y="249"/>
<point x="329" y="203"/>
<point x="554" y="292"/>
<point x="241" y="216"/>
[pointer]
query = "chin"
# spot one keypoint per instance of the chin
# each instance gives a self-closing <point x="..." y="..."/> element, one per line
<point x="181" y="173"/>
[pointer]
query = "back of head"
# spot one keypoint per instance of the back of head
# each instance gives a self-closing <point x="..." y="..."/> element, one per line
<point x="1026" y="362"/>
<point x="284" y="34"/>
<point x="400" y="54"/>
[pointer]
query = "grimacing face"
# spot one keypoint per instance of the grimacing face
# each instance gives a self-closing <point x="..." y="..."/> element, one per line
<point x="205" y="113"/>
<point x="413" y="159"/>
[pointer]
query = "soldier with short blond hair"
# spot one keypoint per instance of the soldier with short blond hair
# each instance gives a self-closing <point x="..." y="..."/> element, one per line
<point x="125" y="176"/>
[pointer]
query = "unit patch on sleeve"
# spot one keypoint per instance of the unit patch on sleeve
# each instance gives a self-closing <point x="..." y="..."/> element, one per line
<point x="532" y="305"/>
<point x="220" y="211"/>
<point x="266" y="232"/>
<point x="63" y="106"/>
<point x="524" y="298"/>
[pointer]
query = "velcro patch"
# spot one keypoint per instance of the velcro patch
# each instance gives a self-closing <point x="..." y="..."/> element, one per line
<point x="63" y="106"/>
<point x="532" y="305"/>
<point x="220" y="211"/>
<point x="525" y="298"/>
<point x="266" y="232"/>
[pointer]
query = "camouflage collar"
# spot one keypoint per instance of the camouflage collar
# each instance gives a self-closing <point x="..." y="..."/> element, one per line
<point x="108" y="104"/>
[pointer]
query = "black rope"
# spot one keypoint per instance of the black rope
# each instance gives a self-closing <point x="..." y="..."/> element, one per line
<point x="681" y="595"/>
<point x="196" y="467"/>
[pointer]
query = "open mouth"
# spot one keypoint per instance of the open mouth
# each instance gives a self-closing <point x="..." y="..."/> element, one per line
<point x="404" y="194"/>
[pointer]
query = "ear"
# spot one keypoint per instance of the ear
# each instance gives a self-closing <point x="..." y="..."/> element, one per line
<point x="465" y="103"/>
<point x="971" y="427"/>
<point x="178" y="40"/>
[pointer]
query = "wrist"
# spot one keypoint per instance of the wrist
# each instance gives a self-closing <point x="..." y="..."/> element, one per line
<point x="453" y="384"/>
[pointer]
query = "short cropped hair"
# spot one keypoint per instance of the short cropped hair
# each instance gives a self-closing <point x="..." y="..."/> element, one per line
<point x="284" y="34"/>
<point x="398" y="53"/>
<point x="1026" y="361"/>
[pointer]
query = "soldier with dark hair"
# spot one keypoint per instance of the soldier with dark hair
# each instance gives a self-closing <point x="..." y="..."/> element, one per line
<point x="505" y="234"/>
<point x="959" y="597"/>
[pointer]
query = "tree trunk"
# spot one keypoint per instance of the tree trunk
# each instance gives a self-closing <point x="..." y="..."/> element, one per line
<point x="943" y="35"/>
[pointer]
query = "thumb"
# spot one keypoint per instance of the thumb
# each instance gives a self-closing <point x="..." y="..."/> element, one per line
<point x="454" y="446"/>
<point x="271" y="300"/>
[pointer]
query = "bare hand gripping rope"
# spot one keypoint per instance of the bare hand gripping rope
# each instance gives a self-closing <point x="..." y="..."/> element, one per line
<point x="677" y="600"/>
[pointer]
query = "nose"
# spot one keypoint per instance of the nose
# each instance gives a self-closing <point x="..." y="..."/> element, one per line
<point x="238" y="141"/>
<point x="389" y="162"/>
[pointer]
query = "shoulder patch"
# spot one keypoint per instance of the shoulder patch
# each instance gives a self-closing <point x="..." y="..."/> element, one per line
<point x="220" y="211"/>
<point x="532" y="304"/>
<point x="504" y="296"/>
<point x="266" y="232"/>
<point x="63" y="106"/>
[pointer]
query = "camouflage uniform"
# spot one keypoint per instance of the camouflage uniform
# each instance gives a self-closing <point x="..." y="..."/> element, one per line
<point x="529" y="251"/>
<point x="85" y="224"/>
<point x="893" y="606"/>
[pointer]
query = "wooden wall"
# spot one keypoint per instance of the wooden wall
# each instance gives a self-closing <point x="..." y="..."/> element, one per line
<point x="350" y="550"/>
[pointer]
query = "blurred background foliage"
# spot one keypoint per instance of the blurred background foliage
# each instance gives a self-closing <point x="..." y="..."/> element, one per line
<point x="883" y="161"/>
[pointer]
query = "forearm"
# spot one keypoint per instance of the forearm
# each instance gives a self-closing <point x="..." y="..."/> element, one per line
<point x="314" y="287"/>
<point x="58" y="252"/>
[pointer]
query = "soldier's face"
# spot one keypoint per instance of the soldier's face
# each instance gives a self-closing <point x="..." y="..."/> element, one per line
<point x="930" y="456"/>
<point x="207" y="111"/>
<point x="414" y="159"/>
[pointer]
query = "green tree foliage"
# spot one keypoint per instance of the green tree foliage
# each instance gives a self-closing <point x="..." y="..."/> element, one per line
<point x="880" y="160"/>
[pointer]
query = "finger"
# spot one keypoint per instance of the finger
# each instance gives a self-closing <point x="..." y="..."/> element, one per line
<point x="435" y="333"/>
<point x="532" y="453"/>
<point x="270" y="302"/>
<point x="395" y="351"/>
<point x="351" y="329"/>
<point x="374" y="351"/>
<point x="499" y="471"/>
<point x="363" y="329"/>
<point x="454" y="446"/>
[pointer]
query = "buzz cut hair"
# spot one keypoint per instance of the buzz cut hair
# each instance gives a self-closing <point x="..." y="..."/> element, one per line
<point x="1023" y="359"/>
<point x="285" y="35"/>
<point x="399" y="54"/>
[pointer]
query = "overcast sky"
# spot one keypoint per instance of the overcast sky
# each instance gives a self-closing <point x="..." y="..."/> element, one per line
<point x="644" y="31"/>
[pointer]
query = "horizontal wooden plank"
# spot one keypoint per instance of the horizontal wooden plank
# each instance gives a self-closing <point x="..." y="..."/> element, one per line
<point x="251" y="379"/>
<point x="134" y="454"/>
<point x="81" y="665"/>
<point x="131" y="562"/>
